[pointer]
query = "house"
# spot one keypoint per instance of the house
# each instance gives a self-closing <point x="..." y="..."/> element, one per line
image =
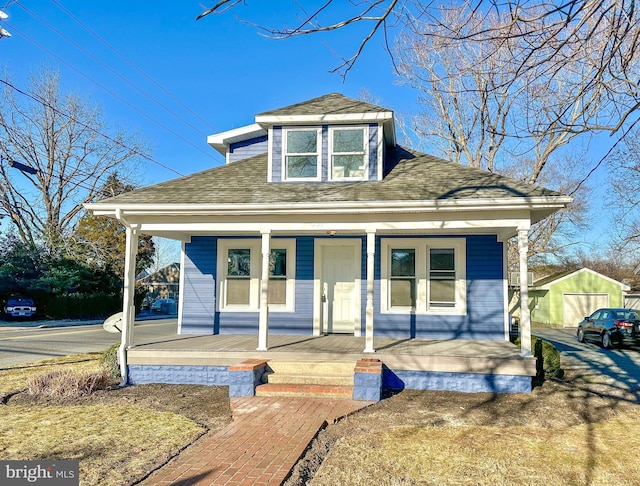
<point x="362" y="240"/>
<point x="565" y="298"/>
<point x="161" y="284"/>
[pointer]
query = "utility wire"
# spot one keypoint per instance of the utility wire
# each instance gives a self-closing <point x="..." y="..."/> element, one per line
<point x="106" y="66"/>
<point x="177" y="135"/>
<point x="130" y="63"/>
<point x="88" y="127"/>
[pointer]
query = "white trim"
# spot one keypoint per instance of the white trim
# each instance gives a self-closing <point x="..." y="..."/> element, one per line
<point x="422" y="247"/>
<point x="505" y="290"/>
<point x="270" y="156"/>
<point x="221" y="141"/>
<point x="381" y="152"/>
<point x="181" y="287"/>
<point x="318" y="153"/>
<point x="255" y="245"/>
<point x="318" y="245"/>
<point x="372" y="117"/>
<point x="365" y="152"/>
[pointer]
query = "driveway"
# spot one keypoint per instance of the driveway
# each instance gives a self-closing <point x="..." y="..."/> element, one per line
<point x="609" y="372"/>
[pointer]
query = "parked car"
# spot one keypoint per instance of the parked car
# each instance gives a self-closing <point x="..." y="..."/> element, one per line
<point x="163" y="305"/>
<point x="611" y="326"/>
<point x="20" y="306"/>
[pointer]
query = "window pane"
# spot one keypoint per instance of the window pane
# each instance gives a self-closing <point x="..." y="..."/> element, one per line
<point x="278" y="291"/>
<point x="302" y="166"/>
<point x="442" y="292"/>
<point x="348" y="140"/>
<point x="348" y="166"/>
<point x="403" y="263"/>
<point x="238" y="291"/>
<point x="278" y="263"/>
<point x="302" y="142"/>
<point x="239" y="262"/>
<point x="442" y="259"/>
<point x="403" y="292"/>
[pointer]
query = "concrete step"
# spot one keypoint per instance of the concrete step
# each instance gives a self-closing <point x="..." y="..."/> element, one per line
<point x="303" y="390"/>
<point x="336" y="368"/>
<point x="304" y="379"/>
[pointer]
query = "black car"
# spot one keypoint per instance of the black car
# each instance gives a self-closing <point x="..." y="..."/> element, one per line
<point x="611" y="326"/>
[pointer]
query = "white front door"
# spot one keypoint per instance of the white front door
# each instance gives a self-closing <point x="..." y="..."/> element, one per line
<point x="341" y="287"/>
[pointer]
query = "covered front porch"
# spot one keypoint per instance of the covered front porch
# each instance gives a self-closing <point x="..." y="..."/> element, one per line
<point x="463" y="365"/>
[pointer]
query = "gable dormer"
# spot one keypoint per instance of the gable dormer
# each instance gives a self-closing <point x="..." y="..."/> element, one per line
<point x="328" y="139"/>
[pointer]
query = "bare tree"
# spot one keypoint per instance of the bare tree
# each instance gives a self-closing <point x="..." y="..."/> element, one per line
<point x="557" y="34"/>
<point x="62" y="137"/>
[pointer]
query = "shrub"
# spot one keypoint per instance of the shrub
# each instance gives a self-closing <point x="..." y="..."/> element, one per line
<point x="68" y="384"/>
<point x="109" y="360"/>
<point x="550" y="357"/>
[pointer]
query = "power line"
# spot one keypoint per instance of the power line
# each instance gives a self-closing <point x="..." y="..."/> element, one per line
<point x="177" y="135"/>
<point x="130" y="63"/>
<point x="106" y="66"/>
<point x="88" y="127"/>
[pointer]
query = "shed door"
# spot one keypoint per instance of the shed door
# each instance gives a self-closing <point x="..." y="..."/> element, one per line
<point x="576" y="306"/>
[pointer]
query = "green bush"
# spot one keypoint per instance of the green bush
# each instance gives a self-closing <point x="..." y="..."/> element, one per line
<point x="109" y="360"/>
<point x="551" y="362"/>
<point x="83" y="306"/>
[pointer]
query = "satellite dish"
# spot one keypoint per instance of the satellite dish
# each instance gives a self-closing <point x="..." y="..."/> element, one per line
<point x="113" y="324"/>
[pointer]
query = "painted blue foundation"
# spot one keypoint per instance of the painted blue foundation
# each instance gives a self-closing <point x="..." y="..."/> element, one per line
<point x="367" y="386"/>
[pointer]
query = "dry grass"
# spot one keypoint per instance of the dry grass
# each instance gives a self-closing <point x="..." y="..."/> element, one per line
<point x="588" y="453"/>
<point x="115" y="446"/>
<point x="68" y="383"/>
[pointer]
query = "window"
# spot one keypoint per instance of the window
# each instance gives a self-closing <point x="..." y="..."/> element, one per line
<point x="348" y="149"/>
<point x="423" y="275"/>
<point x="239" y="268"/>
<point x="301" y="153"/>
<point x="403" y="278"/>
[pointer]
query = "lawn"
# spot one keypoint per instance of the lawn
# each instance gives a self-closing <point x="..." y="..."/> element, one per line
<point x="118" y="435"/>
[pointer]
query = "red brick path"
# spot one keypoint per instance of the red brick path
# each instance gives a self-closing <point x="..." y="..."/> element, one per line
<point x="262" y="444"/>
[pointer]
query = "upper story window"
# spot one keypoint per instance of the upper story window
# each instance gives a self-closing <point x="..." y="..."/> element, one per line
<point x="348" y="149"/>
<point x="302" y="153"/>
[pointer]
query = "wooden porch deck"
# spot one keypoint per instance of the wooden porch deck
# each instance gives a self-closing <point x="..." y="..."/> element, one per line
<point x="457" y="356"/>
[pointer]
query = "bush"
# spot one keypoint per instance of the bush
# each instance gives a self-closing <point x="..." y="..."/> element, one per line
<point x="550" y="357"/>
<point x="109" y="360"/>
<point x="68" y="384"/>
<point x="83" y="306"/>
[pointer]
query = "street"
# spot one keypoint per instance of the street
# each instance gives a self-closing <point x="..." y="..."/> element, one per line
<point x="24" y="345"/>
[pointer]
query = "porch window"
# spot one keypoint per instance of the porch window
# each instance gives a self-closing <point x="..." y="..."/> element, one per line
<point x="442" y="277"/>
<point x="423" y="276"/>
<point x="403" y="278"/>
<point x="239" y="276"/>
<point x="348" y="153"/>
<point x="278" y="277"/>
<point x="301" y="153"/>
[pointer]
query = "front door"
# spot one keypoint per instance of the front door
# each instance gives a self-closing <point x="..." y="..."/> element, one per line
<point x="340" y="288"/>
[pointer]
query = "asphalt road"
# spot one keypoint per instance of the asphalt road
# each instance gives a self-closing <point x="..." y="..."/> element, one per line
<point x="19" y="345"/>
<point x="614" y="372"/>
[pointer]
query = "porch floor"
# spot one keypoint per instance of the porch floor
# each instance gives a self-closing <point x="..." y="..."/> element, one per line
<point x="459" y="356"/>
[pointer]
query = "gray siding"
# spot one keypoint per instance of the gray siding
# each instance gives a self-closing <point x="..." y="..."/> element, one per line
<point x="199" y="280"/>
<point x="248" y="148"/>
<point x="373" y="152"/>
<point x="276" y="154"/>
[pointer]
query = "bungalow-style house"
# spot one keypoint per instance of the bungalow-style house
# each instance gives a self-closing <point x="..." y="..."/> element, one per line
<point x="320" y="228"/>
<point x="565" y="298"/>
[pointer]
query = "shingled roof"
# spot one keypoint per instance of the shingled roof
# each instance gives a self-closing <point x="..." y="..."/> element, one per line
<point x="330" y="104"/>
<point x="410" y="176"/>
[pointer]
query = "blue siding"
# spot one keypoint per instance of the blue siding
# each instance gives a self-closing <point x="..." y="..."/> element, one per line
<point x="248" y="148"/>
<point x="485" y="301"/>
<point x="276" y="154"/>
<point x="199" y="280"/>
<point x="373" y="152"/>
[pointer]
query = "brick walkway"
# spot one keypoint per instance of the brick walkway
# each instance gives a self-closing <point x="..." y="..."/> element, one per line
<point x="260" y="447"/>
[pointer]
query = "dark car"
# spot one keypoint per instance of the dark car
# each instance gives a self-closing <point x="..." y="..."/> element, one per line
<point x="20" y="306"/>
<point x="611" y="326"/>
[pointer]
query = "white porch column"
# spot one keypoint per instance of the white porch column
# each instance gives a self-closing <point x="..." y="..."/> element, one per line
<point x="371" y="254"/>
<point x="525" y="316"/>
<point x="128" y="308"/>
<point x="263" y="326"/>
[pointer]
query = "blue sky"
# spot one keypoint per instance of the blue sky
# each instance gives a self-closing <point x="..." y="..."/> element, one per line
<point x="221" y="69"/>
